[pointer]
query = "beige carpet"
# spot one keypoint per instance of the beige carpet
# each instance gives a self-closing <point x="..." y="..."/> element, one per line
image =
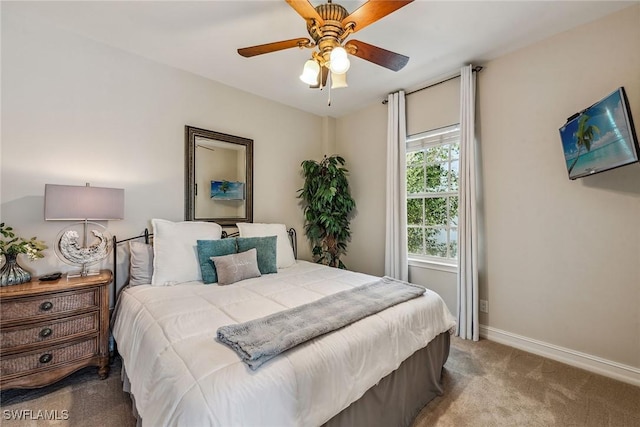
<point x="89" y="402"/>
<point x="486" y="384"/>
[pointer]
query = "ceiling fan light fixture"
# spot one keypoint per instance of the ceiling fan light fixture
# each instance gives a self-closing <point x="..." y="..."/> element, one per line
<point x="339" y="61"/>
<point x="310" y="72"/>
<point x="338" y="80"/>
<point x="329" y="25"/>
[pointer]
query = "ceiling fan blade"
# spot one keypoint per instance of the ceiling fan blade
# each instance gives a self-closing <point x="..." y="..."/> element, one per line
<point x="372" y="11"/>
<point x="325" y="74"/>
<point x="248" y="52"/>
<point x="306" y="10"/>
<point x="377" y="55"/>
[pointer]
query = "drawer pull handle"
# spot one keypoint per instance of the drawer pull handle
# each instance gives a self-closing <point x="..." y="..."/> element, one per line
<point x="46" y="358"/>
<point x="45" y="332"/>
<point x="46" y="306"/>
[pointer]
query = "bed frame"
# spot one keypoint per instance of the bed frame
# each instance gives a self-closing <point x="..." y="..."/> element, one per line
<point x="397" y="398"/>
<point x="146" y="235"/>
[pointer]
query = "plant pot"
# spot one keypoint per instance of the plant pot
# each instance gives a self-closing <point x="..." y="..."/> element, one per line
<point x="11" y="273"/>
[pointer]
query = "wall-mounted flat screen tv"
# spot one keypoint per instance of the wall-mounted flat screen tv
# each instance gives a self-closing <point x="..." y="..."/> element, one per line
<point x="601" y="137"/>
<point x="227" y="190"/>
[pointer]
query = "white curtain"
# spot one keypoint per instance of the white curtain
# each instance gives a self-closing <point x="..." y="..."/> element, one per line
<point x="468" y="324"/>
<point x="395" y="255"/>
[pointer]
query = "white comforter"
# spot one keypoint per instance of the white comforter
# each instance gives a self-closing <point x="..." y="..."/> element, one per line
<point x="180" y="374"/>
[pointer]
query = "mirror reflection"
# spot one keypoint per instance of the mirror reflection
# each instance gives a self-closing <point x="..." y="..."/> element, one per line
<point x="219" y="177"/>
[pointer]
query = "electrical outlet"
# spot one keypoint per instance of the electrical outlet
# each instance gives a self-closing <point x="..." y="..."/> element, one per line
<point x="484" y="306"/>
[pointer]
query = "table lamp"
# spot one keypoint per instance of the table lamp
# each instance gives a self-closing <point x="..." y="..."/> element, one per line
<point x="84" y="204"/>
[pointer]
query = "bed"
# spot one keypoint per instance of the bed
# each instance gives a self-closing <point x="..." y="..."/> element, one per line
<point x="380" y="370"/>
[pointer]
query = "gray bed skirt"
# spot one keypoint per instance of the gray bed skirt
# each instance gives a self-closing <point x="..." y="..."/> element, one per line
<point x="396" y="400"/>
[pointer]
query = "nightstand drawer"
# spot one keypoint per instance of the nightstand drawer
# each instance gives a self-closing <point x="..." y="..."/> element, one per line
<point x="43" y="305"/>
<point x="24" y="363"/>
<point x="48" y="331"/>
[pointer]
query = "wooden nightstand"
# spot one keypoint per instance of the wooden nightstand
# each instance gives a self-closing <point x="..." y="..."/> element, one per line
<point x="49" y="330"/>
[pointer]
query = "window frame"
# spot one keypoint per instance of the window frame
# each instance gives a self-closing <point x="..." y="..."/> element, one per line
<point x="415" y="143"/>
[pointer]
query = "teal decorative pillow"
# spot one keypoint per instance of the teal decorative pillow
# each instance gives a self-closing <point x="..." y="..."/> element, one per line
<point x="212" y="248"/>
<point x="267" y="251"/>
<point x="236" y="267"/>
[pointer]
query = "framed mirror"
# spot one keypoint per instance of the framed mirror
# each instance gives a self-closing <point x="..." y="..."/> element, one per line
<point x="218" y="177"/>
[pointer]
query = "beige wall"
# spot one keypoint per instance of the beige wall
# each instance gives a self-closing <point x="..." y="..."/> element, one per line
<point x="76" y="111"/>
<point x="360" y="139"/>
<point x="560" y="259"/>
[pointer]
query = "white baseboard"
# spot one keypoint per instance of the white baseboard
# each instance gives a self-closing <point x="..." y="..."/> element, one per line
<point x="608" y="368"/>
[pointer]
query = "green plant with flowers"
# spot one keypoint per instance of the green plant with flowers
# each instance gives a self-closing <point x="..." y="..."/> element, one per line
<point x="11" y="246"/>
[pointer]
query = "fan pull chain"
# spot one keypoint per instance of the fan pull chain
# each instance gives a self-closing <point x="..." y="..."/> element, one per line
<point x="329" y="86"/>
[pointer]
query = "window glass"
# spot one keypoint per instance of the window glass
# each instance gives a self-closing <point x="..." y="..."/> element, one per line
<point x="432" y="194"/>
<point x="415" y="179"/>
<point x="415" y="239"/>
<point x="415" y="212"/>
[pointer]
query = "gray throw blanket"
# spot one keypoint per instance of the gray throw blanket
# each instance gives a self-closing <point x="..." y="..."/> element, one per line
<point x="259" y="340"/>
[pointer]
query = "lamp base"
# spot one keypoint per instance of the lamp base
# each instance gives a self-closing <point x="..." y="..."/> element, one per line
<point x="73" y="274"/>
<point x="83" y="255"/>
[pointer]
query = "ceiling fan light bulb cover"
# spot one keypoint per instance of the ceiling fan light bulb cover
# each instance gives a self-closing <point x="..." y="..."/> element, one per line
<point x="338" y="80"/>
<point x="339" y="61"/>
<point x="310" y="72"/>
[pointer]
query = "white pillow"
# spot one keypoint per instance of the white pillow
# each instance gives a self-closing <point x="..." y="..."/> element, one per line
<point x="284" y="251"/>
<point x="141" y="266"/>
<point x="175" y="252"/>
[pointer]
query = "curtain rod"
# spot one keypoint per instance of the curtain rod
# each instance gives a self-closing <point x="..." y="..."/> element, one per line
<point x="475" y="69"/>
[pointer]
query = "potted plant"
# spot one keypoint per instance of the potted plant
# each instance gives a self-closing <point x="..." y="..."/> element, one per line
<point x="327" y="206"/>
<point x="10" y="246"/>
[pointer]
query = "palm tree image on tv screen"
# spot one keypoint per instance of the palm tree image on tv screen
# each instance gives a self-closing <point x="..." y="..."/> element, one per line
<point x="600" y="138"/>
<point x="584" y="136"/>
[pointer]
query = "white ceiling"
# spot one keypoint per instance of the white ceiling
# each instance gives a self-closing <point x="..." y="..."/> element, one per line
<point x="202" y="37"/>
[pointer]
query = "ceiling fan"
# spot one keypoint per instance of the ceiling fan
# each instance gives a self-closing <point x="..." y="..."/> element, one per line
<point x="329" y="25"/>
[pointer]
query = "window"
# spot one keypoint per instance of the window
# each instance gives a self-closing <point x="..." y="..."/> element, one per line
<point x="432" y="194"/>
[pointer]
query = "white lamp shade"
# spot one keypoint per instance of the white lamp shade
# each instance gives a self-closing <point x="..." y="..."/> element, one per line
<point x="339" y="61"/>
<point x="338" y="80"/>
<point x="310" y="72"/>
<point x="71" y="203"/>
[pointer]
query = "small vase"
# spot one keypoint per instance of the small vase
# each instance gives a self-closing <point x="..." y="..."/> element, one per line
<point x="11" y="273"/>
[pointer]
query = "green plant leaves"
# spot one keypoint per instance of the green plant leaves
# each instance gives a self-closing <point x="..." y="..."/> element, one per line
<point x="327" y="207"/>
<point x="18" y="245"/>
